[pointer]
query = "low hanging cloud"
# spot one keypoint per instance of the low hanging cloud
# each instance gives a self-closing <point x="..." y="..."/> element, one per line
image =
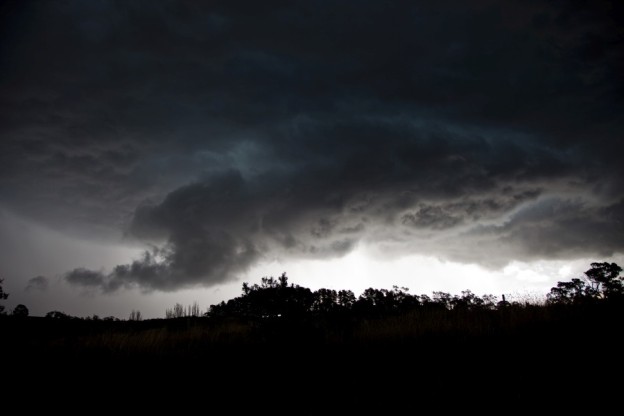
<point x="223" y="135"/>
<point x="37" y="284"/>
<point x="85" y="277"/>
<point x="211" y="231"/>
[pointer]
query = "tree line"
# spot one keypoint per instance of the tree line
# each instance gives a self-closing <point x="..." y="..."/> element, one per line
<point x="276" y="298"/>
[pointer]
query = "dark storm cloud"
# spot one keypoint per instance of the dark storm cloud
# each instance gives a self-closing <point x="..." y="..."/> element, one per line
<point x="555" y="228"/>
<point x="84" y="277"/>
<point x="38" y="283"/>
<point x="232" y="133"/>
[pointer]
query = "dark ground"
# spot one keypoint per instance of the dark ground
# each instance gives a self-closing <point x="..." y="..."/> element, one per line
<point x="531" y="358"/>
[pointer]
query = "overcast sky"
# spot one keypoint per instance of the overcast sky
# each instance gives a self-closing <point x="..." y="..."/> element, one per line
<point x="162" y="151"/>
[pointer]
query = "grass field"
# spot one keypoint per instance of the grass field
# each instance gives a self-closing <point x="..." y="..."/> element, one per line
<point x="521" y="355"/>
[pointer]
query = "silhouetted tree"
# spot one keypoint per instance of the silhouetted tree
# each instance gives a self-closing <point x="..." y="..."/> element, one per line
<point x="384" y="301"/>
<point x="470" y="301"/>
<point x="325" y="301"/>
<point x="135" y="316"/>
<point x="176" y="312"/>
<point x="193" y="310"/>
<point x="605" y="279"/>
<point x="346" y="299"/>
<point x="246" y="288"/>
<point x="3" y="296"/>
<point x="425" y="300"/>
<point x="602" y="282"/>
<point x="272" y="298"/>
<point x="179" y="311"/>
<point x="402" y="300"/>
<point x="20" y="311"/>
<point x="573" y="291"/>
<point x="443" y="299"/>
<point x="370" y="302"/>
<point x="57" y="315"/>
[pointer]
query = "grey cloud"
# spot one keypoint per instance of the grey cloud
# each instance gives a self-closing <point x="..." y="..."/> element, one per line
<point x="568" y="228"/>
<point x="468" y="209"/>
<point x="430" y="178"/>
<point x="431" y="217"/>
<point x="225" y="134"/>
<point x="38" y="283"/>
<point x="552" y="227"/>
<point x="85" y="278"/>
<point x="217" y="228"/>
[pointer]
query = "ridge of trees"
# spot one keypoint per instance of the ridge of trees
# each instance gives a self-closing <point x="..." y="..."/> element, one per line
<point x="275" y="297"/>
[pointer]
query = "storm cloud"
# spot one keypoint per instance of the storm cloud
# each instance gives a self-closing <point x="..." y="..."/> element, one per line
<point x="224" y="135"/>
<point x="37" y="283"/>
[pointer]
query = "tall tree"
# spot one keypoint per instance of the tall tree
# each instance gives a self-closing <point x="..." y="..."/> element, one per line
<point x="605" y="279"/>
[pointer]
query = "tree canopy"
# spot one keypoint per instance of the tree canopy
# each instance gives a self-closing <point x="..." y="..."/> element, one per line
<point x="20" y="311"/>
<point x="277" y="298"/>
<point x="601" y="281"/>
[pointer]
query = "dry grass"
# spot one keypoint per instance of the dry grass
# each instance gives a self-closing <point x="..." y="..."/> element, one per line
<point x="194" y="336"/>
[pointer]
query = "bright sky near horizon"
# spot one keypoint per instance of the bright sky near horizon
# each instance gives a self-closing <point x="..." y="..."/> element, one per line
<point x="356" y="271"/>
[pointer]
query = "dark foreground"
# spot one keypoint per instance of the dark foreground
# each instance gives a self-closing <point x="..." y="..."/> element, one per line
<point x="531" y="358"/>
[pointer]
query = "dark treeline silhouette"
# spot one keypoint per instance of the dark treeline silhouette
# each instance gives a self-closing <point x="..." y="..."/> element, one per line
<point x="62" y="316"/>
<point x="275" y="298"/>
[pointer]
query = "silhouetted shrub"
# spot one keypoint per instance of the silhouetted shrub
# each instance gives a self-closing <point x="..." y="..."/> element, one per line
<point x="58" y="315"/>
<point x="20" y="311"/>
